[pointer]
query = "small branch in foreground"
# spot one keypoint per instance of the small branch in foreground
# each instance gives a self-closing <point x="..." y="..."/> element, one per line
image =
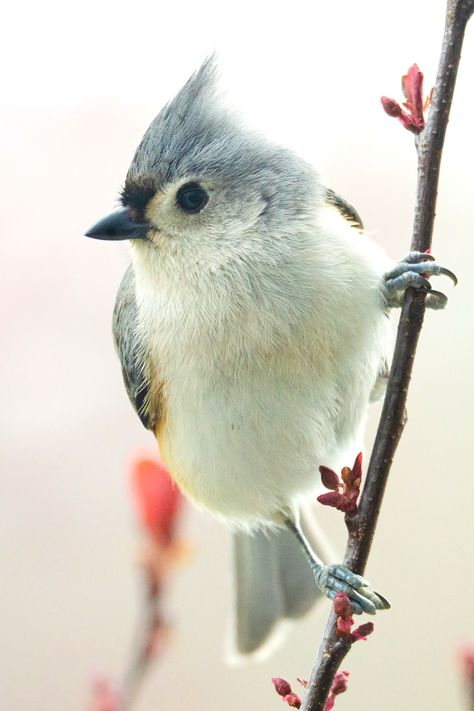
<point x="158" y="503"/>
<point x="361" y="526"/>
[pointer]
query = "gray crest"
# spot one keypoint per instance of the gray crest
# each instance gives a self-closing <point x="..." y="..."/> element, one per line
<point x="197" y="136"/>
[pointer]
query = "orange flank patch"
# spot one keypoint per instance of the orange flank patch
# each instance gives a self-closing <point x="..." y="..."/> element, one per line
<point x="183" y="479"/>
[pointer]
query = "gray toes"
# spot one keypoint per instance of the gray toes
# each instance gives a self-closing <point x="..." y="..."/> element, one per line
<point x="414" y="257"/>
<point x="356" y="608"/>
<point x="406" y="279"/>
<point x="414" y="271"/>
<point x="334" y="579"/>
<point x="340" y="571"/>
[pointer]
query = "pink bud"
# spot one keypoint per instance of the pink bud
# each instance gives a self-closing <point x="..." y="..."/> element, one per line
<point x="333" y="499"/>
<point x="330" y="703"/>
<point x="343" y="626"/>
<point x="346" y="475"/>
<point x="412" y="87"/>
<point x="158" y="500"/>
<point x="411" y="116"/>
<point x="329" y="478"/>
<point x="282" y="687"/>
<point x="356" y="473"/>
<point x="339" y="685"/>
<point x="363" y="631"/>
<point x="342" y="605"/>
<point x="391" y="107"/>
<point x="293" y="700"/>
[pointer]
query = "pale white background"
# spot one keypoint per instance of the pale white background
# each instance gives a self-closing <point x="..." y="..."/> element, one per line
<point x="80" y="83"/>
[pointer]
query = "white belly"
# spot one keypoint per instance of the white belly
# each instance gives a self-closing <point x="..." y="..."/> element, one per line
<point x="248" y="448"/>
<point x="264" y="385"/>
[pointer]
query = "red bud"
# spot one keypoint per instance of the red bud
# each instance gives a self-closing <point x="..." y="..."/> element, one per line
<point x="411" y="116"/>
<point x="346" y="475"/>
<point x="343" y="626"/>
<point x="342" y="605"/>
<point x="293" y="700"/>
<point x="356" y="474"/>
<point x="363" y="631"/>
<point x="339" y="685"/>
<point x="331" y="499"/>
<point x="329" y="478"/>
<point x="157" y="498"/>
<point x="282" y="687"/>
<point x="391" y="107"/>
<point x="412" y="87"/>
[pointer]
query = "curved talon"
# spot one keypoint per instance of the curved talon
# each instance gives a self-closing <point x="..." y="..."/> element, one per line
<point x="436" y="300"/>
<point x="378" y="601"/>
<point x="448" y="273"/>
<point x="384" y="601"/>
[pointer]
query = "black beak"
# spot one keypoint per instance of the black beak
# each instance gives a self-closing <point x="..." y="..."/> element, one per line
<point x="117" y="226"/>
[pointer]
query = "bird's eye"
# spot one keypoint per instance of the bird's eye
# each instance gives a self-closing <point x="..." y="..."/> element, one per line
<point x="191" y="197"/>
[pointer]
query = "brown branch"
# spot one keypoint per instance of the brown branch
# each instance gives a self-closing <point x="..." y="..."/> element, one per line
<point x="362" y="526"/>
<point x="143" y="654"/>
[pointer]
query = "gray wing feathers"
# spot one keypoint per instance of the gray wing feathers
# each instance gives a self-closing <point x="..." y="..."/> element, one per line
<point x="129" y="348"/>
<point x="273" y="582"/>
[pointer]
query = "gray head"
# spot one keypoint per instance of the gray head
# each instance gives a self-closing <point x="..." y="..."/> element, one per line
<point x="199" y="174"/>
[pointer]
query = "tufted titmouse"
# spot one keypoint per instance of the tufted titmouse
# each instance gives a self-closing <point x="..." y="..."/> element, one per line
<point x="252" y="331"/>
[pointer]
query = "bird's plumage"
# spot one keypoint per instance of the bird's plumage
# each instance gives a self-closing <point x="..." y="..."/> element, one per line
<point x="251" y="334"/>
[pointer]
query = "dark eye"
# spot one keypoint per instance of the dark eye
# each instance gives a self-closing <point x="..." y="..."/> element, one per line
<point x="191" y="197"/>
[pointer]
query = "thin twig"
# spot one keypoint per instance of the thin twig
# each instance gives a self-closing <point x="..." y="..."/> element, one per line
<point x="143" y="653"/>
<point x="362" y="526"/>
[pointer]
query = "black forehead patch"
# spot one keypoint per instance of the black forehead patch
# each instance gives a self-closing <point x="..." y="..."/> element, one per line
<point x="137" y="193"/>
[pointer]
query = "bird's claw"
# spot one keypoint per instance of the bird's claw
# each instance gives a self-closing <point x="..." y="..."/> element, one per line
<point x="414" y="271"/>
<point x="333" y="579"/>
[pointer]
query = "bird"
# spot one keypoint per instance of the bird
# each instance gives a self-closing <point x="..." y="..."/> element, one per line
<point x="252" y="330"/>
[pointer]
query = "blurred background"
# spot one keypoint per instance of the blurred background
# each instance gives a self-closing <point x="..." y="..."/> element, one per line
<point x="81" y="82"/>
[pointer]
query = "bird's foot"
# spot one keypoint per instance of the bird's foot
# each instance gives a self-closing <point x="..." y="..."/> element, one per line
<point x="414" y="271"/>
<point x="333" y="579"/>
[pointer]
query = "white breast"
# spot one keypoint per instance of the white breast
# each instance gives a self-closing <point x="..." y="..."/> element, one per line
<point x="267" y="367"/>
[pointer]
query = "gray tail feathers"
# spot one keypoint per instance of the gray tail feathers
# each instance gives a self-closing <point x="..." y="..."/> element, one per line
<point x="273" y="581"/>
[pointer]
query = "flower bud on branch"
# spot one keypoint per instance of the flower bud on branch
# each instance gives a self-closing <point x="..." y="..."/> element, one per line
<point x="411" y="116"/>
<point x="283" y="689"/>
<point x="345" y="490"/>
